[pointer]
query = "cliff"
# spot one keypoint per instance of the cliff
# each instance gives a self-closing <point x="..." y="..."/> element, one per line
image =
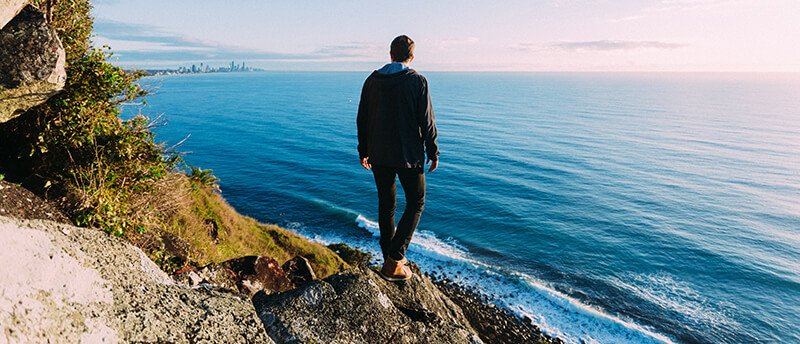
<point x="158" y="255"/>
<point x="70" y="284"/>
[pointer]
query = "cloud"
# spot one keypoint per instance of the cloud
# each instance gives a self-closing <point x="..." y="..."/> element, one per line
<point x="601" y="45"/>
<point x="628" y="18"/>
<point x="350" y="49"/>
<point x="610" y="45"/>
<point x="146" y="45"/>
<point x="446" y="42"/>
<point x="677" y="6"/>
<point x="670" y="5"/>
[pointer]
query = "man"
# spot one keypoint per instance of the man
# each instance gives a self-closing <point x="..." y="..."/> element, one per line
<point x="396" y="129"/>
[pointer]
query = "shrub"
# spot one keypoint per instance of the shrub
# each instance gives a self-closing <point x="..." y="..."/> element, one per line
<point x="75" y="146"/>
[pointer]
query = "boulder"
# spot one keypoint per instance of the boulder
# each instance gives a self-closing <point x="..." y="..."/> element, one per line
<point x="65" y="284"/>
<point x="31" y="62"/>
<point x="359" y="307"/>
<point x="246" y="275"/>
<point x="299" y="270"/>
<point x="9" y="10"/>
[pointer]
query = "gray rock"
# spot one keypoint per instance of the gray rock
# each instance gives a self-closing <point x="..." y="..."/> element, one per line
<point x="9" y="10"/>
<point x="60" y="283"/>
<point x="359" y="307"/>
<point x="299" y="270"/>
<point x="31" y="63"/>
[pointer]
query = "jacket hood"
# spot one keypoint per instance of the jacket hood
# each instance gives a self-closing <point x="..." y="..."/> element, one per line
<point x="392" y="80"/>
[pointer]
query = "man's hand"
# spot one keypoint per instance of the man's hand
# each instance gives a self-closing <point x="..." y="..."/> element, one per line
<point x="365" y="163"/>
<point x="434" y="165"/>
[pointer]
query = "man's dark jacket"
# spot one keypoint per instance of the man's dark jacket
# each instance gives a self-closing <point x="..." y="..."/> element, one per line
<point x="395" y="120"/>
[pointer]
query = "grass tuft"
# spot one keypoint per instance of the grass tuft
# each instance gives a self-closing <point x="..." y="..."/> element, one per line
<point x="194" y="212"/>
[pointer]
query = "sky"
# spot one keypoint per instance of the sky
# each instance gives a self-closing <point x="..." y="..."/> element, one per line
<point x="468" y="35"/>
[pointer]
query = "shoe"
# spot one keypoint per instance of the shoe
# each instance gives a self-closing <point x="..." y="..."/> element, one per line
<point x="395" y="270"/>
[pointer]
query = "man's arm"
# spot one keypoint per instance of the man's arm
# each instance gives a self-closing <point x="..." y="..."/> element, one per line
<point x="427" y="124"/>
<point x="362" y="121"/>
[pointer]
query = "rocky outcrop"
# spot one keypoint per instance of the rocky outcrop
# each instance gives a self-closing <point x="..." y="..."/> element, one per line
<point x="9" y="10"/>
<point x="31" y="60"/>
<point x="359" y="307"/>
<point x="60" y="283"/>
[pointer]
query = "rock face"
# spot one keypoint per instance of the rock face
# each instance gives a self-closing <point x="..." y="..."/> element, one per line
<point x="9" y="10"/>
<point x="31" y="60"/>
<point x="360" y="307"/>
<point x="60" y="283"/>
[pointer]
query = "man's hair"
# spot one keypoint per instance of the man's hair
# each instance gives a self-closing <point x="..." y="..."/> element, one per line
<point x="402" y="49"/>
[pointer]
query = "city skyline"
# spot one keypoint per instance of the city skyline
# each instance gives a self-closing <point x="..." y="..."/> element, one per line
<point x="203" y="67"/>
<point x="552" y="35"/>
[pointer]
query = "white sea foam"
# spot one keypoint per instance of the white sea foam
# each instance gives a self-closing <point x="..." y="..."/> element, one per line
<point x="424" y="241"/>
<point x="668" y="292"/>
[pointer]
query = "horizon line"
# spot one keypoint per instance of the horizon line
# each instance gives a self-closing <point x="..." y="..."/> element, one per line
<point x="262" y="70"/>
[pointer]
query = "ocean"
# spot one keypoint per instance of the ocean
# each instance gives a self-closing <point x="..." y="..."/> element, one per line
<point x="609" y="208"/>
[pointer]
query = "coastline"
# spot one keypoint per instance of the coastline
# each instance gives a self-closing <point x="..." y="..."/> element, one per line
<point x="491" y="323"/>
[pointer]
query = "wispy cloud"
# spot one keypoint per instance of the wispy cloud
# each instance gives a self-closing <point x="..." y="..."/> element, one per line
<point x="627" y="18"/>
<point x="149" y="45"/>
<point x="350" y="50"/>
<point x="601" y="45"/>
<point x="670" y="5"/>
<point x="447" y="42"/>
<point x="609" y="45"/>
<point x="665" y="6"/>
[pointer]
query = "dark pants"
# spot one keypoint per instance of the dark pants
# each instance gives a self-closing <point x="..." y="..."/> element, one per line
<point x="395" y="242"/>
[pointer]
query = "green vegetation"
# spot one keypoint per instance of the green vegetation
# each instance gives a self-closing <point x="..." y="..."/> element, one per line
<point x="210" y="230"/>
<point x="204" y="177"/>
<point x="109" y="173"/>
<point x="75" y="145"/>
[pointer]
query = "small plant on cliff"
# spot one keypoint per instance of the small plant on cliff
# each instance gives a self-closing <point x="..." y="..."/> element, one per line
<point x="204" y="177"/>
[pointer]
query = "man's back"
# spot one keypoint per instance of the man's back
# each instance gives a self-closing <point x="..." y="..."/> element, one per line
<point x="395" y="120"/>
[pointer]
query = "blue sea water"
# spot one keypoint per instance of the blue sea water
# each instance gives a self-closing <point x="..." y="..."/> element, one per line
<point x="610" y="208"/>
